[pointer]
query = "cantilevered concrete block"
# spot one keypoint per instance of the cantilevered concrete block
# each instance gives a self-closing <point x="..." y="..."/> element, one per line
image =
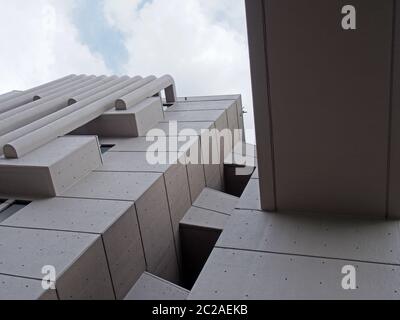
<point x="115" y="221"/>
<point x="24" y="253"/>
<point x="133" y="122"/>
<point x="148" y="192"/>
<point x="200" y="230"/>
<point x="216" y="201"/>
<point x="244" y="275"/>
<point x="175" y="176"/>
<point x="51" y="169"/>
<point x="16" y="288"/>
<point x="150" y="287"/>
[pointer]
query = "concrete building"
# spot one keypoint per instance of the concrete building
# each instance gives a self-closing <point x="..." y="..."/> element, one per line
<point x="82" y="205"/>
<point x="108" y="191"/>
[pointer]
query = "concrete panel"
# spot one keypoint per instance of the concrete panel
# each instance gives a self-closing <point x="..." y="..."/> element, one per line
<point x="179" y="198"/>
<point x="133" y="122"/>
<point x="250" y="199"/>
<point x="204" y="219"/>
<point x="333" y="237"/>
<point x="51" y="169"/>
<point x="24" y="252"/>
<point x="15" y="288"/>
<point x="216" y="201"/>
<point x="341" y="171"/>
<point x="197" y="180"/>
<point x="153" y="214"/>
<point x="126" y="186"/>
<point x="238" y="275"/>
<point x="116" y="221"/>
<point x="151" y="288"/>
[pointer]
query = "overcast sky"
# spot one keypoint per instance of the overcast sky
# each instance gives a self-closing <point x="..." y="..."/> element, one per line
<point x="201" y="43"/>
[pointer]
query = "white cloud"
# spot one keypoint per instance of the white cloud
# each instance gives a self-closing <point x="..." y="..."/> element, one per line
<point x="40" y="43"/>
<point x="202" y="43"/>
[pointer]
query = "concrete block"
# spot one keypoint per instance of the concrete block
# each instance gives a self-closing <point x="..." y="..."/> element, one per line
<point x="368" y="240"/>
<point x="200" y="230"/>
<point x="51" y="169"/>
<point x="24" y="252"/>
<point x="250" y="199"/>
<point x="200" y="218"/>
<point x="148" y="192"/>
<point x="133" y="122"/>
<point x="153" y="214"/>
<point x="209" y="98"/>
<point x="151" y="288"/>
<point x="15" y="288"/>
<point x="238" y="275"/>
<point x="115" y="221"/>
<point x="216" y="201"/>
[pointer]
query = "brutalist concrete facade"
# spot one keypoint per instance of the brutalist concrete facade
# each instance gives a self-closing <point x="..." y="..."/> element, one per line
<point x="79" y="194"/>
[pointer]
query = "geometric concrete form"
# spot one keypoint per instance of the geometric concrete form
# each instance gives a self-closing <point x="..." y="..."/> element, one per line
<point x="300" y="100"/>
<point x="216" y="201"/>
<point x="24" y="253"/>
<point x="244" y="275"/>
<point x="199" y="230"/>
<point x="175" y="179"/>
<point x="133" y="122"/>
<point x="310" y="235"/>
<point x="49" y="170"/>
<point x="151" y="288"/>
<point x="147" y="191"/>
<point x="38" y="133"/>
<point x="115" y="221"/>
<point x="15" y="288"/>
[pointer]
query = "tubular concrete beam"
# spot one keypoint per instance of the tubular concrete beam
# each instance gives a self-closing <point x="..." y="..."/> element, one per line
<point x="17" y="94"/>
<point x="61" y="113"/>
<point x="28" y="97"/>
<point x="39" y="109"/>
<point x="65" y="93"/>
<point x="166" y="82"/>
<point x="51" y="91"/>
<point x="84" y="95"/>
<point x="65" y="120"/>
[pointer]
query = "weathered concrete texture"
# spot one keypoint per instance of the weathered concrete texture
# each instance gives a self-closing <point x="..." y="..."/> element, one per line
<point x="310" y="235"/>
<point x="216" y="201"/>
<point x="150" y="287"/>
<point x="15" y="288"/>
<point x="115" y="221"/>
<point x="133" y="122"/>
<point x="24" y="252"/>
<point x="237" y="275"/>
<point x="51" y="169"/>
<point x="200" y="230"/>
<point x="148" y="192"/>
